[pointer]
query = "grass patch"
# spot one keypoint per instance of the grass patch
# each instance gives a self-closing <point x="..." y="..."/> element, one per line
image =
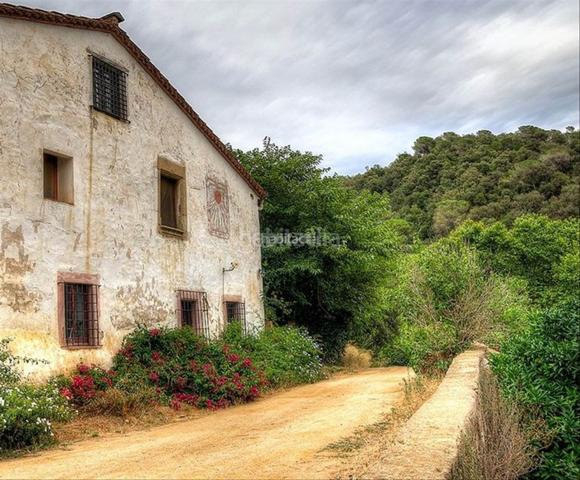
<point x="365" y="445"/>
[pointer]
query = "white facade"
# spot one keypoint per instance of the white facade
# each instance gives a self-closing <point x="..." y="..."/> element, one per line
<point x="111" y="229"/>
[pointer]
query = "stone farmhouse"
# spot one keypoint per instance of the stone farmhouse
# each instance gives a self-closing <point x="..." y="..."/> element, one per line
<point x="118" y="204"/>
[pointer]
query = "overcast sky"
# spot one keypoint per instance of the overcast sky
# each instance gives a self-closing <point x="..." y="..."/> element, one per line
<point x="358" y="81"/>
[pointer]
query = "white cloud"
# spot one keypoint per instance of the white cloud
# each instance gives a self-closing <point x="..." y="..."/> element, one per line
<point x="358" y="81"/>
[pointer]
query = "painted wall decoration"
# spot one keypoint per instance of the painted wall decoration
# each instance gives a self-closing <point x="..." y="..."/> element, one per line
<point x="218" y="209"/>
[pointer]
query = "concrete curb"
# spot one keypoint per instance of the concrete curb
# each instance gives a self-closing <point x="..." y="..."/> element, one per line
<point x="426" y="446"/>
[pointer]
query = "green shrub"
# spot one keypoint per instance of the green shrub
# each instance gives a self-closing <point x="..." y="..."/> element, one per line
<point x="26" y="411"/>
<point x="444" y="301"/>
<point x="287" y="355"/>
<point x="424" y="347"/>
<point x="540" y="370"/>
<point x="542" y="251"/>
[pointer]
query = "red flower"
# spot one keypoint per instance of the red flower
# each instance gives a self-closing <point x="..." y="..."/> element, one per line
<point x="223" y="403"/>
<point x="175" y="404"/>
<point x="127" y="351"/>
<point x="254" y="392"/>
<point x="66" y="393"/>
<point x="82" y="387"/>
<point x="82" y="368"/>
<point x="154" y="332"/>
<point x="208" y="369"/>
<point x="233" y="358"/>
<point x="156" y="357"/>
<point x="188" y="398"/>
<point x="154" y="377"/>
<point x="247" y="362"/>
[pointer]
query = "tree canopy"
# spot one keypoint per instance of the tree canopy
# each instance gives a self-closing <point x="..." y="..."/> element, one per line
<point x="480" y="176"/>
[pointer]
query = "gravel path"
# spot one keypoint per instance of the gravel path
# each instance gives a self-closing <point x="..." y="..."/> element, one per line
<point x="278" y="437"/>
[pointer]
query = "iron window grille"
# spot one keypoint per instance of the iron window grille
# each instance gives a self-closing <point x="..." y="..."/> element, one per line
<point x="192" y="311"/>
<point x="81" y="314"/>
<point x="236" y="312"/>
<point x="109" y="89"/>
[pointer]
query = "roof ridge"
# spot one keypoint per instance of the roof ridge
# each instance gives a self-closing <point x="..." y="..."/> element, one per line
<point x="106" y="24"/>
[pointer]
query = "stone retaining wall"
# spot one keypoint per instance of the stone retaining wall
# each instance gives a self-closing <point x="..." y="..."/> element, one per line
<point x="426" y="447"/>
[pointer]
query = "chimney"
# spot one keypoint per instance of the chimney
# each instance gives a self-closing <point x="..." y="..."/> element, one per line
<point x="113" y="17"/>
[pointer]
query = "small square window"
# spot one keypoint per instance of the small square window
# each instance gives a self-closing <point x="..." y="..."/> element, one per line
<point x="109" y="89"/>
<point x="58" y="178"/>
<point x="172" y="200"/>
<point x="236" y="312"/>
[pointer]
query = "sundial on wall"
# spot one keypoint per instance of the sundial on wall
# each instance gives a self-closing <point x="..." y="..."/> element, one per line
<point x="218" y="213"/>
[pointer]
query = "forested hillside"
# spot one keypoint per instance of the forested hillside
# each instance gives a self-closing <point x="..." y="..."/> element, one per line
<point x="480" y="176"/>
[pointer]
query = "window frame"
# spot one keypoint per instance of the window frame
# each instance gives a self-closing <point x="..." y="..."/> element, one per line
<point x="64" y="177"/>
<point x="123" y="91"/>
<point x="235" y="299"/>
<point x="169" y="169"/>
<point x="73" y="278"/>
<point x="200" y="315"/>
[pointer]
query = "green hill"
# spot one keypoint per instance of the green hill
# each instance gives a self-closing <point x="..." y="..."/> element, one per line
<point x="481" y="176"/>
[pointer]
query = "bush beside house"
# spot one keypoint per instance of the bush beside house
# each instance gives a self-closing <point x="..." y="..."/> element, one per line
<point x="26" y="411"/>
<point x="168" y="366"/>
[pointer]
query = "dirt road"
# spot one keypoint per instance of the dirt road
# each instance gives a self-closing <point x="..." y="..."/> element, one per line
<point x="278" y="437"/>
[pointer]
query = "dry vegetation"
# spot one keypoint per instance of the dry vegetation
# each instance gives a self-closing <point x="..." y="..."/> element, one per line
<point x="90" y="425"/>
<point x="355" y="358"/>
<point x="493" y="446"/>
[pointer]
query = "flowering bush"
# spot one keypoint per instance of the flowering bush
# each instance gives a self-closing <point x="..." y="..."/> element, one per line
<point x="26" y="411"/>
<point x="85" y="383"/>
<point x="187" y="369"/>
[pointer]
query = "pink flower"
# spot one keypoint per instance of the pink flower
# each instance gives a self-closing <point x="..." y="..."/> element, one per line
<point x="233" y="358"/>
<point x="82" y="368"/>
<point x="247" y="362"/>
<point x="154" y="332"/>
<point x="66" y="393"/>
<point x="254" y="392"/>
<point x="208" y="369"/>
<point x="154" y="377"/>
<point x="156" y="357"/>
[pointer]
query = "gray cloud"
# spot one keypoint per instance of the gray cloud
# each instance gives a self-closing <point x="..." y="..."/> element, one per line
<point x="358" y="81"/>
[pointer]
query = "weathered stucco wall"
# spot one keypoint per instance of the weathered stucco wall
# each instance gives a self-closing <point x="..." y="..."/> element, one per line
<point x="111" y="230"/>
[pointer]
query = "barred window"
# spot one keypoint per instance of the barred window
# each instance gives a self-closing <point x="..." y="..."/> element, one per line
<point x="109" y="89"/>
<point x="192" y="311"/>
<point x="236" y="312"/>
<point x="81" y="314"/>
